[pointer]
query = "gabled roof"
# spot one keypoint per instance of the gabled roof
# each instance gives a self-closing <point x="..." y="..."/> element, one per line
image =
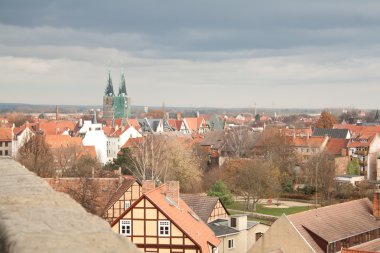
<point x="134" y="123"/>
<point x="114" y="131"/>
<point x="182" y="216"/>
<point x="312" y="141"/>
<point x="330" y="132"/>
<point x="128" y="181"/>
<point x="6" y="134"/>
<point x="335" y="222"/>
<point x="359" y="129"/>
<point x="57" y="141"/>
<point x="335" y="146"/>
<point x="194" y="123"/>
<point x="214" y="138"/>
<point x="55" y="127"/>
<point x="200" y="204"/>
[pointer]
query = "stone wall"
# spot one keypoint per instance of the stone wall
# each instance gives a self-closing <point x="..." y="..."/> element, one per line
<point x="35" y="218"/>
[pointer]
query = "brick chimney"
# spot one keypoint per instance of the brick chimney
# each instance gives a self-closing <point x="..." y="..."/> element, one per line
<point x="173" y="191"/>
<point x="179" y="116"/>
<point x="148" y="185"/>
<point x="376" y="204"/>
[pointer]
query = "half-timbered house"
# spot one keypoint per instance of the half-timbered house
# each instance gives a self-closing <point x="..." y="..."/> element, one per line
<point x="128" y="192"/>
<point x="208" y="208"/>
<point x="161" y="222"/>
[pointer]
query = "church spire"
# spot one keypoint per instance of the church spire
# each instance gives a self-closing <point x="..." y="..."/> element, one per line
<point x="109" y="87"/>
<point x="122" y="87"/>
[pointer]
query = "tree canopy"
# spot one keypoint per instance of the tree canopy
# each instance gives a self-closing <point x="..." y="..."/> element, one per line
<point x="326" y="120"/>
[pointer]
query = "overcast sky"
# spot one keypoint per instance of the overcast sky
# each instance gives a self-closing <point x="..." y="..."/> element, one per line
<point x="285" y="53"/>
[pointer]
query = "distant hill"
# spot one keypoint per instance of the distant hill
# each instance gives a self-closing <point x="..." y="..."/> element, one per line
<point x="32" y="108"/>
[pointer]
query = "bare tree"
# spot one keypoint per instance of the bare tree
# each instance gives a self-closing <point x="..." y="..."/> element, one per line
<point x="252" y="179"/>
<point x="240" y="141"/>
<point x="36" y="155"/>
<point x="320" y="173"/>
<point x="278" y="150"/>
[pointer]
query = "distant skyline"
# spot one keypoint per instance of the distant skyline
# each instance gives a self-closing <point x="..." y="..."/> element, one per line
<point x="277" y="54"/>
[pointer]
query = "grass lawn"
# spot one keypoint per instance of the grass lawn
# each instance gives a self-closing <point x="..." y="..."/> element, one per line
<point x="280" y="211"/>
<point x="270" y="211"/>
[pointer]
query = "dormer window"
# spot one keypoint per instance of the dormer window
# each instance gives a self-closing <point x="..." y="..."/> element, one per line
<point x="127" y="204"/>
<point x="164" y="228"/>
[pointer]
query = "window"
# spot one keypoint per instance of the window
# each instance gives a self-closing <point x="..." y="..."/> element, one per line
<point x="258" y="235"/>
<point x="6" y="152"/>
<point x="164" y="228"/>
<point x="6" y="144"/>
<point x="1" y="143"/>
<point x="125" y="227"/>
<point x="127" y="204"/>
<point x="233" y="222"/>
<point x="231" y="243"/>
<point x="1" y="152"/>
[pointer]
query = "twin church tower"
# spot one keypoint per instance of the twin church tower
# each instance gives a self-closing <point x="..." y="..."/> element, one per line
<point x="119" y="106"/>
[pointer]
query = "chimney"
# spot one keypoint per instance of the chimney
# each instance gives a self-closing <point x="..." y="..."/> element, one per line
<point x="179" y="116"/>
<point x="376" y="204"/>
<point x="147" y="185"/>
<point x="173" y="191"/>
<point x="238" y="221"/>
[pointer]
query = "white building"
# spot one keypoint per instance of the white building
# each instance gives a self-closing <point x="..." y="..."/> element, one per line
<point x="96" y="137"/>
<point x="117" y="137"/>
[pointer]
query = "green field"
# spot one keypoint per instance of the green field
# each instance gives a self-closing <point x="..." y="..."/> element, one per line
<point x="270" y="211"/>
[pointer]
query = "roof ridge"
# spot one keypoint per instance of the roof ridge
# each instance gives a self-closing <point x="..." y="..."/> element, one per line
<point x="325" y="207"/>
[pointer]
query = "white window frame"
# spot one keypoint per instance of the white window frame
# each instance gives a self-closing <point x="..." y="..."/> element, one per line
<point x="124" y="225"/>
<point x="165" y="224"/>
<point x="232" y="242"/>
<point x="127" y="204"/>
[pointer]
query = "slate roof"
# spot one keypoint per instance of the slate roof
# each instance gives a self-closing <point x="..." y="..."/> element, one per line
<point x="214" y="138"/>
<point x="220" y="228"/>
<point x="201" y="205"/>
<point x="335" y="222"/>
<point x="128" y="181"/>
<point x="330" y="132"/>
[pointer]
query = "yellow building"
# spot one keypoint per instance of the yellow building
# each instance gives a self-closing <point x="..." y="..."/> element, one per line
<point x="161" y="222"/>
<point x="128" y="192"/>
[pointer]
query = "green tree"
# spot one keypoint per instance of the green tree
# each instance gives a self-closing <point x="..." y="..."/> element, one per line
<point x="326" y="120"/>
<point x="353" y="167"/>
<point x="219" y="189"/>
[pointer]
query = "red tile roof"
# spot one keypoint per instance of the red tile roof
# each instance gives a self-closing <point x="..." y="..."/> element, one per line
<point x="114" y="131"/>
<point x="89" y="150"/>
<point x="359" y="129"/>
<point x="312" y="141"/>
<point x="134" y="123"/>
<point x="6" y="134"/>
<point x="335" y="222"/>
<point x="57" y="141"/>
<point x="182" y="216"/>
<point x="55" y="127"/>
<point x="335" y="145"/>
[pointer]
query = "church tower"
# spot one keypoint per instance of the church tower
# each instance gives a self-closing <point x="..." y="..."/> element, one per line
<point x="108" y="99"/>
<point x="121" y="103"/>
